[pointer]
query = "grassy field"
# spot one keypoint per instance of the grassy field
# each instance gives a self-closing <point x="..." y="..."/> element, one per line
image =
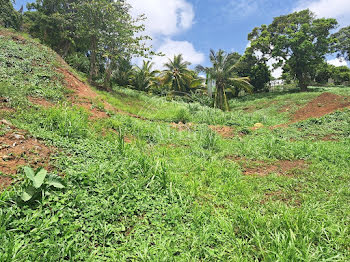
<point x="148" y="179"/>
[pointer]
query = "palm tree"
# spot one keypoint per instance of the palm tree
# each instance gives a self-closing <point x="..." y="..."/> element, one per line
<point x="177" y="75"/>
<point x="143" y="78"/>
<point x="223" y="72"/>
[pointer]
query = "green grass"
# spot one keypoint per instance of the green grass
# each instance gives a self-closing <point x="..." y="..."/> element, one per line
<point x="174" y="195"/>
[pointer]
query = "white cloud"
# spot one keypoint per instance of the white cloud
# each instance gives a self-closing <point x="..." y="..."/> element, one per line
<point x="337" y="62"/>
<point x="171" y="48"/>
<point x="165" y="19"/>
<point x="339" y="9"/>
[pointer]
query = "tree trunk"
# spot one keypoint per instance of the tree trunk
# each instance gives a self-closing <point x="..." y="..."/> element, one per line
<point x="303" y="81"/>
<point x="220" y="98"/>
<point x="66" y="48"/>
<point x="108" y="74"/>
<point x="92" y="72"/>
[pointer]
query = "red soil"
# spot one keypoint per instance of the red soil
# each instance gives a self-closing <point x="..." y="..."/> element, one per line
<point x="181" y="126"/>
<point x="324" y="104"/>
<point x="224" y="131"/>
<point x="40" y="101"/>
<point x="18" y="149"/>
<point x="5" y="182"/>
<point x="261" y="168"/>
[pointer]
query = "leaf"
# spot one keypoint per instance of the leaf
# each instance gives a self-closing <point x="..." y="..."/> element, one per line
<point x="54" y="180"/>
<point x="29" y="173"/>
<point x="39" y="178"/>
<point x="27" y="194"/>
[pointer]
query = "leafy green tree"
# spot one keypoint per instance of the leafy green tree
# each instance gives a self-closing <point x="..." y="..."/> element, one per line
<point x="259" y="76"/>
<point x="177" y="75"/>
<point x="223" y="72"/>
<point x="256" y="69"/>
<point x="323" y="73"/>
<point x="343" y="43"/>
<point x="340" y="74"/>
<point x="298" y="40"/>
<point x="54" y="23"/>
<point x="9" y="17"/>
<point x="112" y="33"/>
<point x="144" y="77"/>
<point x="122" y="72"/>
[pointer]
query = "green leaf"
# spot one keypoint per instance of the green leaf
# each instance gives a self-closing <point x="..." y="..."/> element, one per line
<point x="29" y="173"/>
<point x="54" y="180"/>
<point x="27" y="194"/>
<point x="39" y="178"/>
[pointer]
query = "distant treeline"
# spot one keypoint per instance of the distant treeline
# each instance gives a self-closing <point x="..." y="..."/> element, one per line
<point x="100" y="38"/>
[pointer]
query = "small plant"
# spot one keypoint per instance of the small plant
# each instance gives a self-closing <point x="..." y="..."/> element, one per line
<point x="209" y="139"/>
<point x="39" y="183"/>
<point x="121" y="141"/>
<point x="182" y="115"/>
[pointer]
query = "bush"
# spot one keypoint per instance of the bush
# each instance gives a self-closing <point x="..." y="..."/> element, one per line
<point x="79" y="61"/>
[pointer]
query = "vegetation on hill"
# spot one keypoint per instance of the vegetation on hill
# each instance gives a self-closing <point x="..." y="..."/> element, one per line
<point x="103" y="160"/>
<point x="144" y="178"/>
<point x="100" y="38"/>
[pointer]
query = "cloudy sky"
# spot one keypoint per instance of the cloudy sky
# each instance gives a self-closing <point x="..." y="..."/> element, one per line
<point x="192" y="27"/>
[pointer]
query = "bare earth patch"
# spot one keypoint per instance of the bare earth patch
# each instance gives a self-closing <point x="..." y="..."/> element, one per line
<point x="5" y="182"/>
<point x="17" y="149"/>
<point x="261" y="168"/>
<point x="181" y="126"/>
<point x="281" y="197"/>
<point x="40" y="101"/>
<point x="83" y="95"/>
<point x="322" y="105"/>
<point x="224" y="131"/>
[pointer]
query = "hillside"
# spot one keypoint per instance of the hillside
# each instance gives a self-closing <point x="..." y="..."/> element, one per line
<point x="148" y="179"/>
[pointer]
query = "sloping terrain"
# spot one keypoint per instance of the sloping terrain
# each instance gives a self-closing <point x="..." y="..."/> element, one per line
<point x="154" y="180"/>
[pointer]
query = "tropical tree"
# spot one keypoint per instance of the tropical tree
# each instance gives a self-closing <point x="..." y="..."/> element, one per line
<point x="176" y="75"/>
<point x="144" y="77"/>
<point x="54" y="23"/>
<point x="9" y="17"/>
<point x="343" y="42"/>
<point x="223" y="72"/>
<point x="297" y="41"/>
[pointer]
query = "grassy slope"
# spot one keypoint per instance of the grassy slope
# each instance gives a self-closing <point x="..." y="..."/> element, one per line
<point x="173" y="195"/>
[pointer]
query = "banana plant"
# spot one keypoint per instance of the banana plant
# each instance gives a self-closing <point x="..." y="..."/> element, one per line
<point x="39" y="182"/>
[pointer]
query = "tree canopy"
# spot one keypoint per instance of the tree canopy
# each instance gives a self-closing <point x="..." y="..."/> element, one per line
<point x="299" y="41"/>
<point x="9" y="17"/>
<point x="343" y="42"/>
<point x="223" y="72"/>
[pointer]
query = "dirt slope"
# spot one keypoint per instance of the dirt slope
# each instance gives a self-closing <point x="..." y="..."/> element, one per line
<point x="322" y="105"/>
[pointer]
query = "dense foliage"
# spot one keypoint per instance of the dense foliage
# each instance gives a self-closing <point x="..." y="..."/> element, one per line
<point x="223" y="72"/>
<point x="343" y="42"/>
<point x="101" y="30"/>
<point x="9" y="17"/>
<point x="297" y="41"/>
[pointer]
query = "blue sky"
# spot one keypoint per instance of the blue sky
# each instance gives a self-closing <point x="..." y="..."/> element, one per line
<point x="192" y="27"/>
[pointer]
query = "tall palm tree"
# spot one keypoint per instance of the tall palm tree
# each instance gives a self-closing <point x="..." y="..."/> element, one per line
<point x="144" y="77"/>
<point x="223" y="72"/>
<point x="177" y="75"/>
